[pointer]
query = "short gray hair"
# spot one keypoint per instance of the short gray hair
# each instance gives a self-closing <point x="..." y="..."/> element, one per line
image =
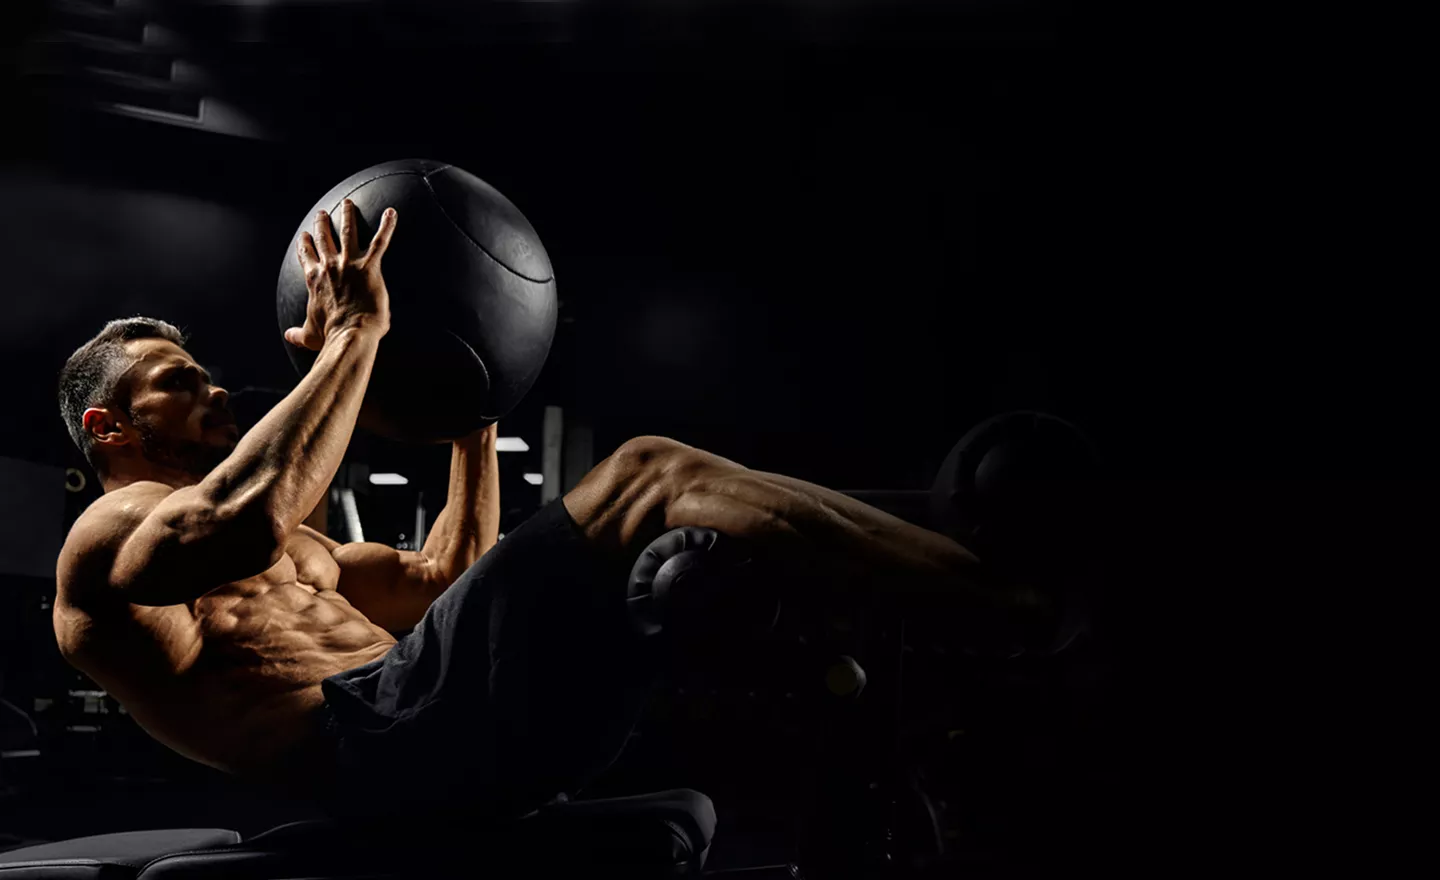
<point x="92" y="374"/>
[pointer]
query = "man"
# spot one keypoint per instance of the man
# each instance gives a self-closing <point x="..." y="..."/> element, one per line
<point x="245" y="640"/>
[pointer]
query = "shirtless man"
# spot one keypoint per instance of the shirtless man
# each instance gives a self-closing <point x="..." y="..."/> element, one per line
<point x="239" y="637"/>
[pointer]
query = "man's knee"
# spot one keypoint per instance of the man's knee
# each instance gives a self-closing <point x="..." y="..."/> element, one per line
<point x="626" y="495"/>
<point x="660" y="459"/>
<point x="669" y="464"/>
<point x="640" y="453"/>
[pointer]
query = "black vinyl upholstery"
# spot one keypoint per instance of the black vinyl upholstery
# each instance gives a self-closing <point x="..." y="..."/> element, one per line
<point x="107" y="856"/>
<point x="664" y="834"/>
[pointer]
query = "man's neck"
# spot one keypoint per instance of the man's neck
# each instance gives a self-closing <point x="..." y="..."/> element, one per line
<point x="122" y="476"/>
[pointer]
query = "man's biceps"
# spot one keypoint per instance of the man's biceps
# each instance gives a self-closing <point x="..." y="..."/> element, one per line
<point x="138" y="553"/>
<point x="367" y="564"/>
<point x="365" y="555"/>
<point x="330" y="544"/>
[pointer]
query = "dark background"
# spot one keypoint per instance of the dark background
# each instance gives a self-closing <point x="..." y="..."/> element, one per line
<point x="822" y="240"/>
<point x="822" y="244"/>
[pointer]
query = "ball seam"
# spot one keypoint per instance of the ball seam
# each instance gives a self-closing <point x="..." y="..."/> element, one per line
<point x="365" y="183"/>
<point x="478" y="245"/>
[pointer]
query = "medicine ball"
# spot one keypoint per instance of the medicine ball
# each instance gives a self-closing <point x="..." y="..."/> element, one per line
<point x="472" y="300"/>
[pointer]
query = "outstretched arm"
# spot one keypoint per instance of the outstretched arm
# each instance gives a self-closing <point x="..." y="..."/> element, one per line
<point x="178" y="544"/>
<point x="394" y="587"/>
<point x="470" y="523"/>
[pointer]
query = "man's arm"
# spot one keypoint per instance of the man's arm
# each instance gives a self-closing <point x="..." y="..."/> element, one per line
<point x="470" y="523"/>
<point x="234" y="523"/>
<point x="390" y="587"/>
<point x="394" y="587"/>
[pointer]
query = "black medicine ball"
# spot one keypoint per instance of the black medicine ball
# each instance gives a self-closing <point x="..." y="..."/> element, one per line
<point x="472" y="300"/>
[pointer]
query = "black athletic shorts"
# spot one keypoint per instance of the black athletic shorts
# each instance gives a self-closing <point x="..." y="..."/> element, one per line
<point x="523" y="682"/>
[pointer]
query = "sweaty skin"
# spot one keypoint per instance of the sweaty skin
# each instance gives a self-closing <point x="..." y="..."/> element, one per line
<point x="196" y="596"/>
<point x="193" y="592"/>
<point x="232" y="678"/>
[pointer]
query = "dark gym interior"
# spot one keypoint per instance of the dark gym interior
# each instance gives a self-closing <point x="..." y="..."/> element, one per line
<point x="819" y="240"/>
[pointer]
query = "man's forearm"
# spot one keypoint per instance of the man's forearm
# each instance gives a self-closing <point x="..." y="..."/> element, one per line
<point x="283" y="466"/>
<point x="470" y="523"/>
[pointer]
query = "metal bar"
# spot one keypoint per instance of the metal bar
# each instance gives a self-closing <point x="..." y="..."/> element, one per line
<point x="552" y="440"/>
<point x="579" y="453"/>
<point x="352" y="516"/>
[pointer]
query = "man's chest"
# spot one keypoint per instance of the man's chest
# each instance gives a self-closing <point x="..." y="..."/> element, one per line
<point x="311" y="566"/>
<point x="176" y="632"/>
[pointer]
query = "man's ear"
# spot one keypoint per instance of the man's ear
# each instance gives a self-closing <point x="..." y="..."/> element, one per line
<point x="104" y="427"/>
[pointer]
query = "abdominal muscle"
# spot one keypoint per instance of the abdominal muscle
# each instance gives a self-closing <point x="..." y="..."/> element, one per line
<point x="232" y="680"/>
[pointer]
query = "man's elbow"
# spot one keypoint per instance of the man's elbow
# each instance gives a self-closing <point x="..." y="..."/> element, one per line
<point x="243" y="540"/>
<point x="430" y="576"/>
<point x="250" y="546"/>
<point x="430" y="579"/>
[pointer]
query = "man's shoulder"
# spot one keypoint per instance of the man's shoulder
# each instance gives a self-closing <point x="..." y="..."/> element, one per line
<point x="101" y="529"/>
<point x="113" y="515"/>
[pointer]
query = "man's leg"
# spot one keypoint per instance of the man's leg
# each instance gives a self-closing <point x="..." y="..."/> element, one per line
<point x="525" y="679"/>
<point x="653" y="484"/>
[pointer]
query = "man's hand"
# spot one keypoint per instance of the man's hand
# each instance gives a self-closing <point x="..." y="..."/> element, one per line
<point x="346" y="288"/>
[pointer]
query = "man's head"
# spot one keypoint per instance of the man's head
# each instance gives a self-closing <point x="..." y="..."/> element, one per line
<point x="134" y="400"/>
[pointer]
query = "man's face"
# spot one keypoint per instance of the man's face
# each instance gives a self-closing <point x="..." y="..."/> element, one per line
<point x="180" y="418"/>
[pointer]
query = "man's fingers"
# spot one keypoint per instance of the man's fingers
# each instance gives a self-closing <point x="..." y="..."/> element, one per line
<point x="305" y="337"/>
<point x="324" y="236"/>
<point x="349" y="230"/>
<point x="381" y="241"/>
<point x="306" y="248"/>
